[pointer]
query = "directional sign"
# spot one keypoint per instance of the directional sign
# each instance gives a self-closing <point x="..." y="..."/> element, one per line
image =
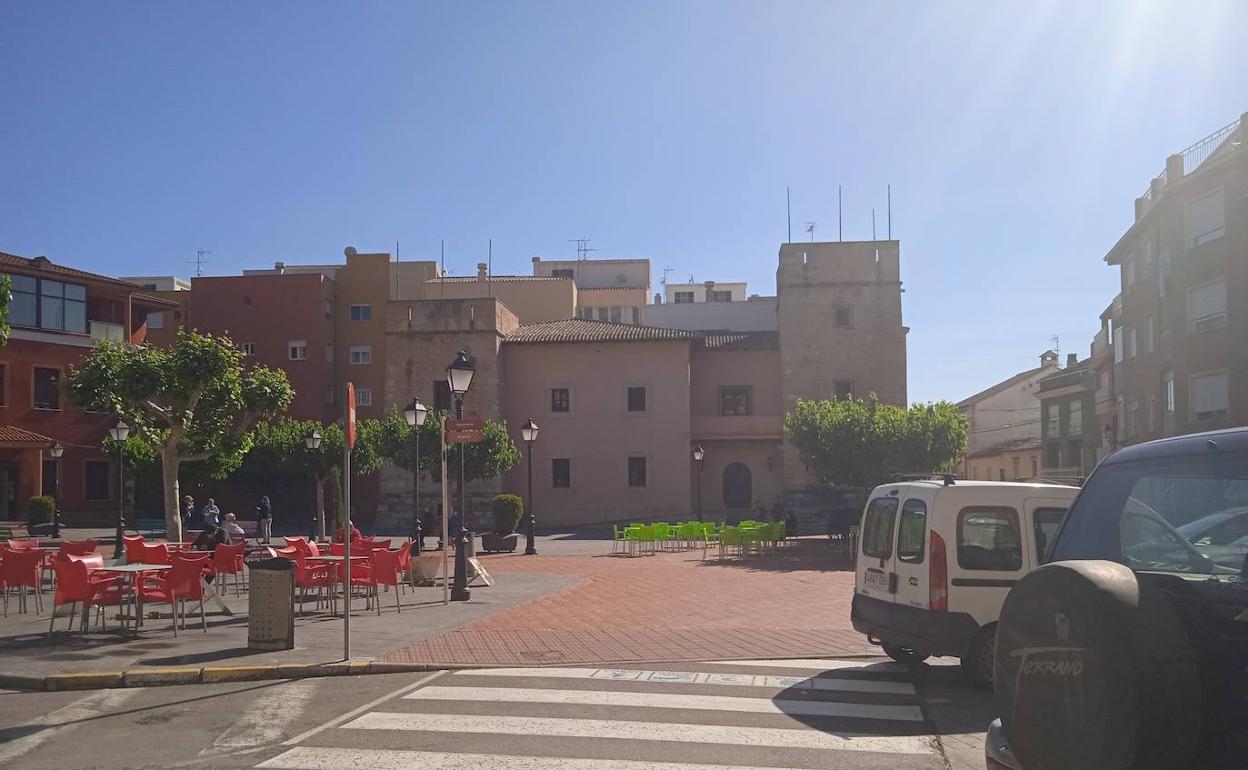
<point x="350" y="416"/>
<point x="466" y="431"/>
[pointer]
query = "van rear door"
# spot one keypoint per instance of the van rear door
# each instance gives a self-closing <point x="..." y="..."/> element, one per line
<point x="910" y="557"/>
<point x="875" y="577"/>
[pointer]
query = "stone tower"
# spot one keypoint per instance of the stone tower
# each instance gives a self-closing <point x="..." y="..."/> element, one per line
<point x="839" y="319"/>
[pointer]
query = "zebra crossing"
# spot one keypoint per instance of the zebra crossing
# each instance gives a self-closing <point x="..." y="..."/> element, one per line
<point x="731" y="715"/>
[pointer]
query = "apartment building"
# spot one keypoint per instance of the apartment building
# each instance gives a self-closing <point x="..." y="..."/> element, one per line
<point x="57" y="314"/>
<point x="1180" y="324"/>
<point x="1003" y="426"/>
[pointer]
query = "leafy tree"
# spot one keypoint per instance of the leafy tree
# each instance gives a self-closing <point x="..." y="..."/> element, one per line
<point x="861" y="442"/>
<point x="279" y="456"/>
<point x="489" y="459"/>
<point x="195" y="401"/>
<point x="6" y="296"/>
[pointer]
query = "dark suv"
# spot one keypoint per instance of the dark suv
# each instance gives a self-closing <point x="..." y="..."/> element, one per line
<point x="1129" y="647"/>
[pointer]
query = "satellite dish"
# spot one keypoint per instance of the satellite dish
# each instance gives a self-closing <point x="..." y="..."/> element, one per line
<point x="350" y="251"/>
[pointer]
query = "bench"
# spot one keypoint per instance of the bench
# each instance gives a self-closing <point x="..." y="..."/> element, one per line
<point x="11" y="533"/>
<point x="151" y="526"/>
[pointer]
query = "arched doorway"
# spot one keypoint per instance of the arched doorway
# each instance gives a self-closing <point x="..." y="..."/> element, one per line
<point x="738" y="486"/>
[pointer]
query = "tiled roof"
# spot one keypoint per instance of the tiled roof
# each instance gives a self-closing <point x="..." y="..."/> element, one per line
<point x="495" y="279"/>
<point x="10" y="434"/>
<point x="742" y="341"/>
<point x="43" y="265"/>
<point x="581" y="330"/>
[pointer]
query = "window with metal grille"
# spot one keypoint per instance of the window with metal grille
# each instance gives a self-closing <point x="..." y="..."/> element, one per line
<point x="636" y="471"/>
<point x="561" y="473"/>
<point x="560" y="400"/>
<point x="734" y="401"/>
<point x="637" y="399"/>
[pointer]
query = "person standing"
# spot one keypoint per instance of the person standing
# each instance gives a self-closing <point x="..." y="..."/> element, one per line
<point x="188" y="513"/>
<point x="264" y="516"/>
<point x="212" y="514"/>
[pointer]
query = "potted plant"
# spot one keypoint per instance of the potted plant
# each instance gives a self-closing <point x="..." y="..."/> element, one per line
<point x="507" y="510"/>
<point x="40" y="511"/>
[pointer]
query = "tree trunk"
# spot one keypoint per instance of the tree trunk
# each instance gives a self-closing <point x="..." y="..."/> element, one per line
<point x="320" y="508"/>
<point x="169" y="462"/>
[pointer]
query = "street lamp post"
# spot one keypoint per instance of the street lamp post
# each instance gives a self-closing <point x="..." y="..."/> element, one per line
<point x="459" y="378"/>
<point x="313" y="443"/>
<point x="699" y="454"/>
<point x="529" y="432"/>
<point x="119" y="433"/>
<point x="415" y="414"/>
<point x="55" y="452"/>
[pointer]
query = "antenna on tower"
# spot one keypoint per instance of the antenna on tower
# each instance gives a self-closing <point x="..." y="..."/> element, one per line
<point x="666" y="270"/>
<point x="788" y="210"/>
<point x="582" y="247"/>
<point x="873" y="223"/>
<point x="810" y="228"/>
<point x="1056" y="343"/>
<point x="199" y="262"/>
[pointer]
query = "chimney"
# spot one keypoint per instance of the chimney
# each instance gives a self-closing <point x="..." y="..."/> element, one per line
<point x="483" y="271"/>
<point x="1048" y="359"/>
<point x="1072" y="360"/>
<point x="658" y="298"/>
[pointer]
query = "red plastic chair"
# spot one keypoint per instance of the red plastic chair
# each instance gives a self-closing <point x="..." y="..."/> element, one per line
<point x="177" y="586"/>
<point x="313" y="549"/>
<point x="133" y="545"/>
<point x="313" y="575"/>
<point x="405" y="561"/>
<point x="295" y="542"/>
<point x="379" y="544"/>
<point x="75" y="585"/>
<point x="384" y="571"/>
<point x="286" y="553"/>
<point x="21" y="570"/>
<point x="227" y="560"/>
<point x="23" y="545"/>
<point x="76" y="547"/>
<point x="156" y="553"/>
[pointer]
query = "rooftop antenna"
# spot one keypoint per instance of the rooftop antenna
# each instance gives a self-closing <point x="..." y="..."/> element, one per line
<point x="840" y="232"/>
<point x="199" y="262"/>
<point x="873" y="223"/>
<point x="1056" y="343"/>
<point x="890" y="212"/>
<point x="582" y="247"/>
<point x="443" y="276"/>
<point x="666" y="270"/>
<point x="788" y="209"/>
<point x="810" y="228"/>
<point x="489" y="268"/>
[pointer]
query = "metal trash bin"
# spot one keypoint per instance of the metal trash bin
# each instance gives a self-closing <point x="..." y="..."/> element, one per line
<point x="271" y="606"/>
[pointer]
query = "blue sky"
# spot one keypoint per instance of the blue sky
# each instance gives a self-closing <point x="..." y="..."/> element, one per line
<point x="1015" y="137"/>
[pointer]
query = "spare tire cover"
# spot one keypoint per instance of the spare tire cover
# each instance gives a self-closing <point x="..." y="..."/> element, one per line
<point x="1095" y="670"/>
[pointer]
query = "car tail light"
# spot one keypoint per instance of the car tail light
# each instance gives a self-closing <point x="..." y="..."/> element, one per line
<point x="938" y="576"/>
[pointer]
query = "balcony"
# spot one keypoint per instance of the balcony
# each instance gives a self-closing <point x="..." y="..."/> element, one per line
<point x="737" y="428"/>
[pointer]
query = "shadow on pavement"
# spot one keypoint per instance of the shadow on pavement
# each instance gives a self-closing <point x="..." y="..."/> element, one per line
<point x="792" y="699"/>
<point x="807" y="554"/>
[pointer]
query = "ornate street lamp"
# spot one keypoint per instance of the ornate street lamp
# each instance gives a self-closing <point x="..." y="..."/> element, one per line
<point x="119" y="433"/>
<point x="55" y="453"/>
<point x="528" y="432"/>
<point x="699" y="454"/>
<point x="313" y="443"/>
<point x="459" y="378"/>
<point x="415" y="414"/>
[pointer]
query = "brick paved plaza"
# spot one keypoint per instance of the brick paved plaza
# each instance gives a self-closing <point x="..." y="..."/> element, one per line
<point x="664" y="607"/>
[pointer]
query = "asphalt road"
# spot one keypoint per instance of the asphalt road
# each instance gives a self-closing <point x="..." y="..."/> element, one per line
<point x="779" y="714"/>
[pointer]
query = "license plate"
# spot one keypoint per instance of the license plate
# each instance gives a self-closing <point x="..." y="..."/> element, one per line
<point x="876" y="579"/>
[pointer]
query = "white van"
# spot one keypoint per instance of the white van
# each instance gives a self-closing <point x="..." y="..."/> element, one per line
<point x="937" y="557"/>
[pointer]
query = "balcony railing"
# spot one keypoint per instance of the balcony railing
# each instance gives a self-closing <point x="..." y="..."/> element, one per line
<point x="1230" y="136"/>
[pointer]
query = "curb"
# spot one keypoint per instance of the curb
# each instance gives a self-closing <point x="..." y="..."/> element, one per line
<point x="163" y="677"/>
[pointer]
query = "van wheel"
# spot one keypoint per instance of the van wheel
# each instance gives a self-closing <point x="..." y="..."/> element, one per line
<point x="903" y="654"/>
<point x="981" y="656"/>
